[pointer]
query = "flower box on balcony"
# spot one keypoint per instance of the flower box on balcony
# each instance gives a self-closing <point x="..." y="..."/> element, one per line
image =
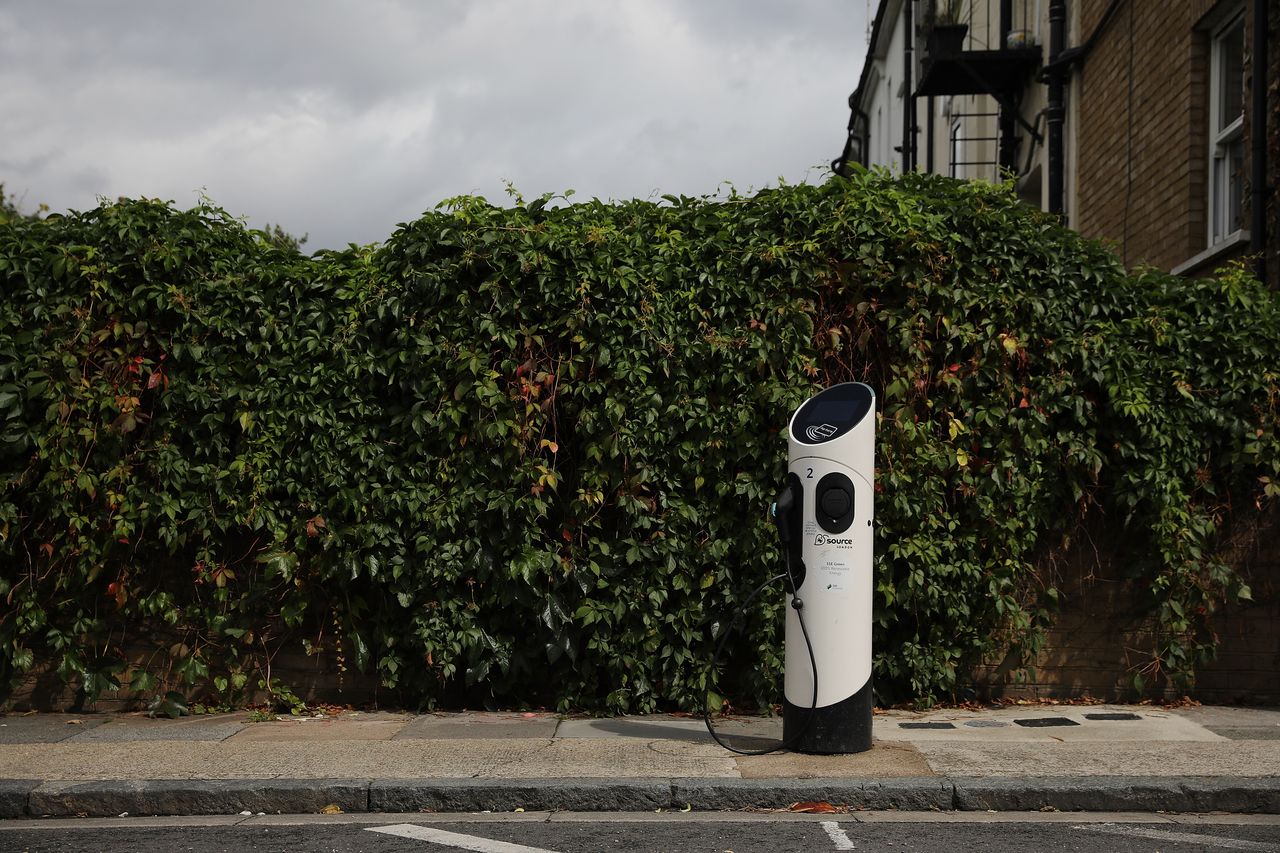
<point x="946" y="39"/>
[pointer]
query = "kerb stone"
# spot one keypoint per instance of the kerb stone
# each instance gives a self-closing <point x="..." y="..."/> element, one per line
<point x="182" y="797"/>
<point x="464" y="795"/>
<point x="13" y="796"/>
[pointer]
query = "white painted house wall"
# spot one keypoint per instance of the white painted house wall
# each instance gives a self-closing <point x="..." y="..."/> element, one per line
<point x="883" y="100"/>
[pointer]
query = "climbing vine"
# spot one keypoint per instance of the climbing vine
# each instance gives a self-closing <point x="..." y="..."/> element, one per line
<point x="524" y="454"/>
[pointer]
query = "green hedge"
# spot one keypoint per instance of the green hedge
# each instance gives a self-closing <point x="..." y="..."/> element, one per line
<point x="524" y="455"/>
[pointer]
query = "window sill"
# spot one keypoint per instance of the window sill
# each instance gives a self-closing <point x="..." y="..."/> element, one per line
<point x="1226" y="246"/>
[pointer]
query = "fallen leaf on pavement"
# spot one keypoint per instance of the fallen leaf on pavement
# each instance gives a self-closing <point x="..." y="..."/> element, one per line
<point x="820" y="807"/>
<point x="331" y="809"/>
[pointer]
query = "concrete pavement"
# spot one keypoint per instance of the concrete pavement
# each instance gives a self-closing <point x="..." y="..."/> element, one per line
<point x="1068" y="757"/>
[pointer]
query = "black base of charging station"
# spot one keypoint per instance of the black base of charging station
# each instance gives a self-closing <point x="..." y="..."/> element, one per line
<point x="833" y="729"/>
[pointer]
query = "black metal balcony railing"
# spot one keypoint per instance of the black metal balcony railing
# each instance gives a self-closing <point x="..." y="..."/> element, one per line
<point x="995" y="54"/>
<point x="974" y="156"/>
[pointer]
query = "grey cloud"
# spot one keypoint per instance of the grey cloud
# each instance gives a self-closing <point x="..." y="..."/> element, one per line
<point x="340" y="119"/>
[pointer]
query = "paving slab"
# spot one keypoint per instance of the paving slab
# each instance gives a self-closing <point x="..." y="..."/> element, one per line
<point x="1246" y="732"/>
<point x="1221" y="758"/>
<point x="466" y="725"/>
<point x="487" y="758"/>
<point x="135" y="727"/>
<point x="883" y="760"/>
<point x="620" y="758"/>
<point x="45" y="728"/>
<point x="1236" y="723"/>
<point x="69" y="761"/>
<point x="1231" y="715"/>
<point x="309" y="729"/>
<point x="1040" y="724"/>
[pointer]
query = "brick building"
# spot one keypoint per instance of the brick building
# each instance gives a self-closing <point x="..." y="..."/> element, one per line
<point x="1135" y="120"/>
<point x="1155" y="150"/>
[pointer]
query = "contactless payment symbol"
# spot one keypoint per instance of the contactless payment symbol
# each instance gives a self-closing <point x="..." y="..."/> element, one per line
<point x="820" y="432"/>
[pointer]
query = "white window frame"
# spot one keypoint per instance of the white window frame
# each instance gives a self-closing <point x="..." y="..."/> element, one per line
<point x="957" y="140"/>
<point x="1221" y="212"/>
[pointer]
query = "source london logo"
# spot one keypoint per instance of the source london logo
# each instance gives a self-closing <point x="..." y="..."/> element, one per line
<point x="820" y="539"/>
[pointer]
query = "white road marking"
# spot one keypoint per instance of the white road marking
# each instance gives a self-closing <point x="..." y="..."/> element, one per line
<point x="837" y="836"/>
<point x="1183" y="837"/>
<point x="454" y="839"/>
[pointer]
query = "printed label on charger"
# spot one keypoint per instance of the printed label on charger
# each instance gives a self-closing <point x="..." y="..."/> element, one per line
<point x="833" y="574"/>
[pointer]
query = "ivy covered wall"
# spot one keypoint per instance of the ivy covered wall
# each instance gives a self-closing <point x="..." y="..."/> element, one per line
<point x="524" y="455"/>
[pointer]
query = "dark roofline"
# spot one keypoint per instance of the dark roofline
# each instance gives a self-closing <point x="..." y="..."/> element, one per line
<point x="855" y="98"/>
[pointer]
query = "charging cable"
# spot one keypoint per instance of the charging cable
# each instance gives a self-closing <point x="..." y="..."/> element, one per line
<point x="798" y="605"/>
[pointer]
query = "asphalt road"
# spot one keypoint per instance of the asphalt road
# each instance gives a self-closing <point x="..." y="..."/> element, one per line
<point x="718" y="833"/>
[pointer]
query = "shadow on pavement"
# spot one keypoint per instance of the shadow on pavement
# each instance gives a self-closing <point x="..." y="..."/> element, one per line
<point x="686" y="734"/>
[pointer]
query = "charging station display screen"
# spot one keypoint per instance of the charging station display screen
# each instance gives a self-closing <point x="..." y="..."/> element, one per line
<point x="832" y="413"/>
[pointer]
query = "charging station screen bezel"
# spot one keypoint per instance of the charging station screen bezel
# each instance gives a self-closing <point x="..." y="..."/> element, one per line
<point x="832" y="413"/>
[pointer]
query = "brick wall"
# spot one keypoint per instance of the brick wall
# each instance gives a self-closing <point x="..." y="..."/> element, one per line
<point x="1141" y="131"/>
<point x="1101" y="635"/>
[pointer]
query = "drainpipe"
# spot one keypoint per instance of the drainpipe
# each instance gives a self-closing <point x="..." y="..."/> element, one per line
<point x="908" y="101"/>
<point x="1008" y="142"/>
<point x="1258" y="130"/>
<point x="1056" y="111"/>
<point x="928" y="139"/>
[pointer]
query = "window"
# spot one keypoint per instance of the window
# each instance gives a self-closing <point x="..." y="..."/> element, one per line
<point x="1226" y="130"/>
<point x="958" y="165"/>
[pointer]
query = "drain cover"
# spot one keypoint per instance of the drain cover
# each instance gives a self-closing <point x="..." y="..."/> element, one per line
<point x="1112" y="715"/>
<point x="926" y="725"/>
<point x="1044" y="722"/>
<point x="986" y="724"/>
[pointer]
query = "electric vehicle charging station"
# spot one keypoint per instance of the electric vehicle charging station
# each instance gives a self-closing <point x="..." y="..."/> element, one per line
<point x="824" y="517"/>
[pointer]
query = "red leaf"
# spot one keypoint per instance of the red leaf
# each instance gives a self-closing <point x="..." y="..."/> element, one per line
<point x="820" y="807"/>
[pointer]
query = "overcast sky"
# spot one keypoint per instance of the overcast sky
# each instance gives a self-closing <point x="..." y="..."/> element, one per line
<point x="340" y="119"/>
